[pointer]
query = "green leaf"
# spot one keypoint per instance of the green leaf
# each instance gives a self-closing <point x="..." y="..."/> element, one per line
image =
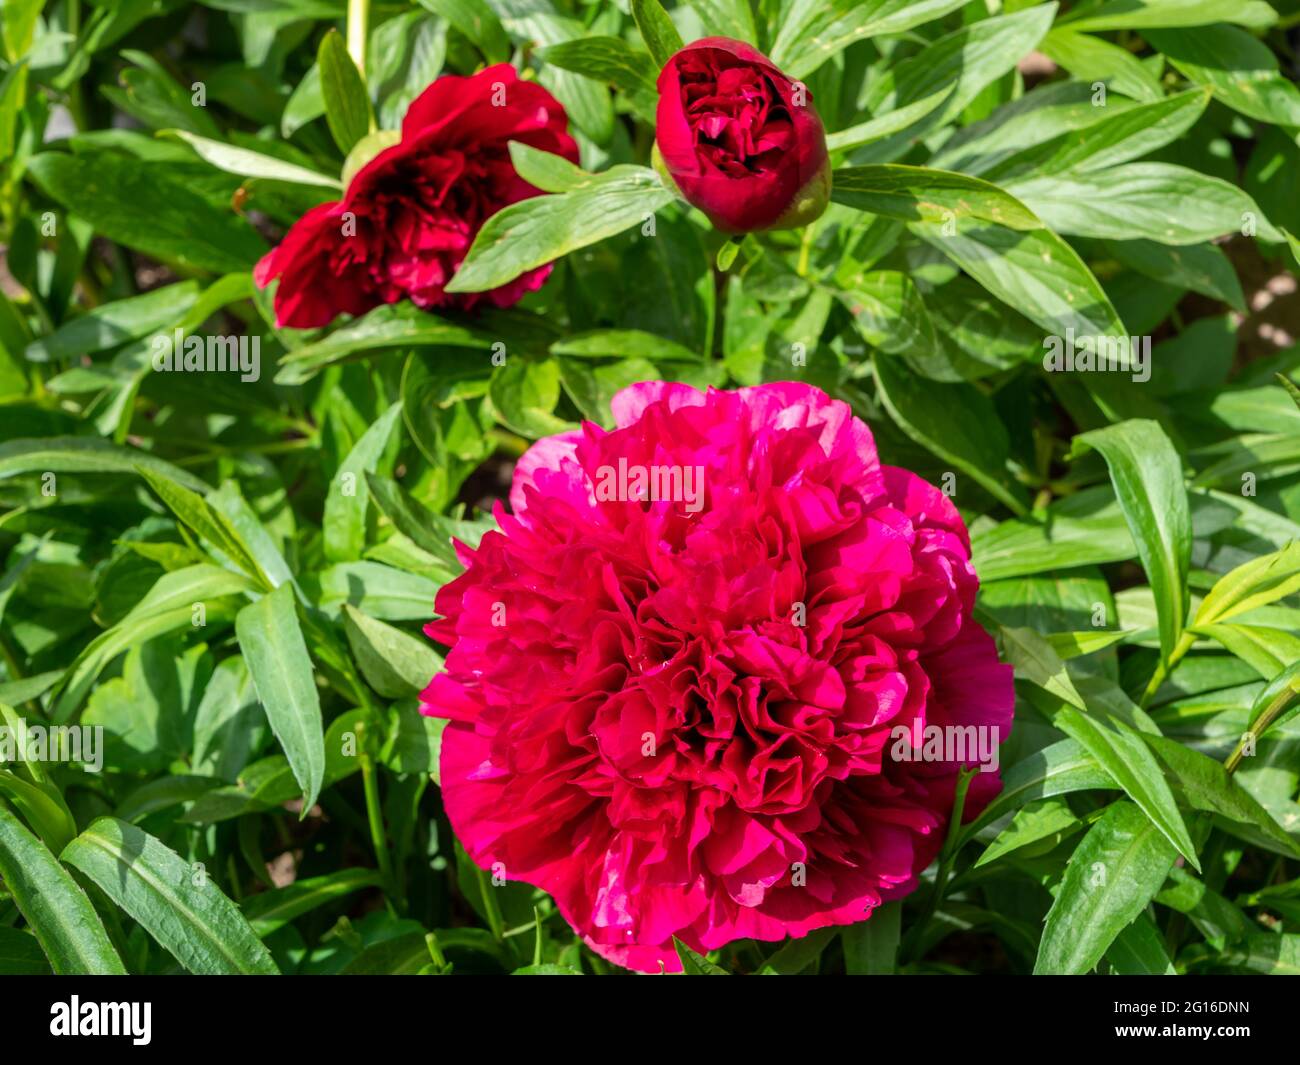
<point x="1203" y="268"/>
<point x="168" y="606"/>
<point x="623" y="343"/>
<point x="1083" y="529"/>
<point x="1139" y="950"/>
<point x="250" y="164"/>
<point x="812" y="31"/>
<point x="890" y="314"/>
<point x="395" y="664"/>
<point x="276" y="653"/>
<point x="727" y="18"/>
<point x="546" y="170"/>
<point x="1121" y="752"/>
<point x="1291" y="389"/>
<point x="41" y="804"/>
<point x="1058" y="769"/>
<point x="887" y="124"/>
<point x="1091" y="58"/>
<point x="546" y="969"/>
<point x="401" y="955"/>
<point x="207" y="522"/>
<point x="798" y="954"/>
<point x="1036" y="660"/>
<point x="477" y="21"/>
<point x="262" y="786"/>
<point x="428" y="531"/>
<point x="541" y="229"/>
<point x="696" y="964"/>
<point x="21" y="954"/>
<point x="393" y="325"/>
<point x="347" y="106"/>
<point x="592" y="387"/>
<point x="1112" y="875"/>
<point x="58" y="911"/>
<point x="366" y="149"/>
<point x="524" y="393"/>
<point x="871" y="946"/>
<point x="84" y="454"/>
<point x="162" y="794"/>
<point x="1286" y="680"/>
<point x="13" y="94"/>
<point x="139" y="204"/>
<point x="1266" y="455"/>
<point x="19" y="21"/>
<point x="1241" y="70"/>
<point x="348" y="499"/>
<point x="272" y="910"/>
<point x="1251" y="585"/>
<point x="304" y="104"/>
<point x="1262" y="952"/>
<point x="1267" y="650"/>
<point x="1051" y="818"/>
<point x="915" y="193"/>
<point x="1152" y="14"/>
<point x="587" y="103"/>
<point x="1085" y="204"/>
<point x="1217" y="919"/>
<point x="414" y="743"/>
<point x="657" y="30"/>
<point x="381" y="591"/>
<point x="1148" y="479"/>
<point x="1077" y="644"/>
<point x="1034" y="271"/>
<point x="1126" y="134"/>
<point x="955" y="421"/>
<point x="1207" y="785"/>
<point x="226" y="724"/>
<point x="111" y="324"/>
<point x="611" y="60"/>
<point x="176" y="901"/>
<point x="962" y="64"/>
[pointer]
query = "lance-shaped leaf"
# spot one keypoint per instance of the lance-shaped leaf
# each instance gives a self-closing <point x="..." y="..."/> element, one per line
<point x="541" y="229"/>
<point x="79" y="454"/>
<point x="1114" y="872"/>
<point x="348" y="499"/>
<point x="1121" y="752"/>
<point x="918" y="194"/>
<point x="347" y="106"/>
<point x="811" y="31"/>
<point x="276" y="653"/>
<point x="66" y="924"/>
<point x="657" y="30"/>
<point x="274" y="909"/>
<point x="180" y="905"/>
<point x="1058" y="769"/>
<point x="1148" y="479"/>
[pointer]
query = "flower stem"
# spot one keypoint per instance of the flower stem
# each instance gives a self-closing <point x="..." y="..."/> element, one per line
<point x="946" y="859"/>
<point x="1271" y="713"/>
<point x="491" y="909"/>
<point x="805" y="248"/>
<point x="1185" y="644"/>
<point x="375" y="817"/>
<point x="358" y="23"/>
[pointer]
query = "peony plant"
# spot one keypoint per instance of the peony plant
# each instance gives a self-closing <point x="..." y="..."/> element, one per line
<point x="665" y="486"/>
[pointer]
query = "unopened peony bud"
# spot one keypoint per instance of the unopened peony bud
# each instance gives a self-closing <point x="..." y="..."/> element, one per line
<point x="740" y="140"/>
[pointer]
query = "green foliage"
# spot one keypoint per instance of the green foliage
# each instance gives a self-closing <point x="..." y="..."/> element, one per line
<point x="227" y="571"/>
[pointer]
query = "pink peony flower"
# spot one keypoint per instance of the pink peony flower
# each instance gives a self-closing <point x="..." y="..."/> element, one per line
<point x="676" y="713"/>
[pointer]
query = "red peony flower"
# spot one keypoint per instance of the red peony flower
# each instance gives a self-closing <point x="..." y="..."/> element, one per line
<point x="740" y="140"/>
<point x="410" y="214"/>
<point x="679" y="673"/>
